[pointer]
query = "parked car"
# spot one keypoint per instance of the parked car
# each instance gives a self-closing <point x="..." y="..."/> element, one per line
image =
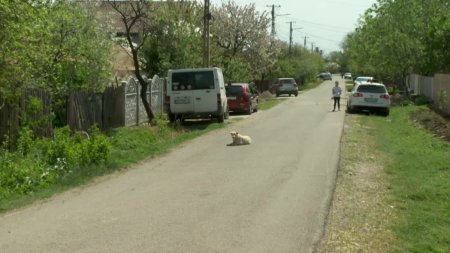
<point x="325" y="76"/>
<point x="242" y="98"/>
<point x="348" y="76"/>
<point x="285" y="86"/>
<point x="369" y="96"/>
<point x="196" y="93"/>
<point x="362" y="79"/>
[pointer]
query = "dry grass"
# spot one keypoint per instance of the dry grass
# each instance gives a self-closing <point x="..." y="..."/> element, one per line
<point x="359" y="218"/>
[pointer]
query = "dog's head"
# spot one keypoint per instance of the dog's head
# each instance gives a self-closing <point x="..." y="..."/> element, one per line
<point x="234" y="134"/>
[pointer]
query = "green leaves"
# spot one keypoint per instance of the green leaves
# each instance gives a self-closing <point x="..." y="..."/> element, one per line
<point x="396" y="38"/>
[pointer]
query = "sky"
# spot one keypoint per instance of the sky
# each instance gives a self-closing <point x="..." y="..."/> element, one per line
<point x="324" y="23"/>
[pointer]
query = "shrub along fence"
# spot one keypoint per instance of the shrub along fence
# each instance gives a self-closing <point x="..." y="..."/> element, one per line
<point x="32" y="108"/>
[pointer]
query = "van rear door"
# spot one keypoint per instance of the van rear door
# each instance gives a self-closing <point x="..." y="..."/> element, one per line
<point x="205" y="94"/>
<point x="182" y="94"/>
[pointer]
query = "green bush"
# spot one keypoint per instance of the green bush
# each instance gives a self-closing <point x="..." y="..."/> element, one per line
<point x="38" y="163"/>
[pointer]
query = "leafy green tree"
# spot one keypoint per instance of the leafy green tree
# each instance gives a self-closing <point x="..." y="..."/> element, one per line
<point x="53" y="45"/>
<point x="240" y="41"/>
<point x="397" y="38"/>
<point x="175" y="38"/>
<point x="300" y="64"/>
<point x="136" y="17"/>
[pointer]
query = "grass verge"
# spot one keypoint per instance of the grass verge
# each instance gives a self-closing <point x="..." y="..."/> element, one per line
<point x="393" y="190"/>
<point x="129" y="145"/>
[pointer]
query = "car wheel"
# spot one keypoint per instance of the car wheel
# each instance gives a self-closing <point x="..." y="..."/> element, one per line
<point x="349" y="108"/>
<point x="385" y="113"/>
<point x="278" y="94"/>
<point x="250" y="109"/>
<point x="290" y="94"/>
<point x="296" y="94"/>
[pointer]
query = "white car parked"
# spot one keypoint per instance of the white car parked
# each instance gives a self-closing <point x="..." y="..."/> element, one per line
<point x="370" y="97"/>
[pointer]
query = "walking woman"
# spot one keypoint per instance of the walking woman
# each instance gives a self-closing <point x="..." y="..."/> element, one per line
<point x="336" y="96"/>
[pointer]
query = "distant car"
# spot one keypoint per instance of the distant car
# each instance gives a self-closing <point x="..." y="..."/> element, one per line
<point x="325" y="76"/>
<point x="362" y="79"/>
<point x="348" y="76"/>
<point x="285" y="86"/>
<point x="369" y="96"/>
<point x="241" y="98"/>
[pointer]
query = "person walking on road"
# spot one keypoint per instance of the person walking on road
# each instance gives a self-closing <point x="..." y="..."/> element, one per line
<point x="336" y="96"/>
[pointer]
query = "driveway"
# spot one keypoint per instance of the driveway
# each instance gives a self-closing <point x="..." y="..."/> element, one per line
<point x="205" y="196"/>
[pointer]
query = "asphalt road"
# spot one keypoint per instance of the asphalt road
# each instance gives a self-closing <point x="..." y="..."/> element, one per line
<point x="205" y="196"/>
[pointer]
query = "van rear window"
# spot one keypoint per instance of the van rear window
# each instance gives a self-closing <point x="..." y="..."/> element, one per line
<point x="200" y="80"/>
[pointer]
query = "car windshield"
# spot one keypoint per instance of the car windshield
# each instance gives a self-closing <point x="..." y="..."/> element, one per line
<point x="234" y="90"/>
<point x="362" y="79"/>
<point x="287" y="81"/>
<point x="372" y="88"/>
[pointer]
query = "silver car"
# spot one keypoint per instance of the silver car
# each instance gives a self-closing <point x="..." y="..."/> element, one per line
<point x="286" y="86"/>
<point x="370" y="97"/>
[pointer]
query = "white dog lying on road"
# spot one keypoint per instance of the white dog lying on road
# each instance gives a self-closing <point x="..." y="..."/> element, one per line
<point x="239" y="139"/>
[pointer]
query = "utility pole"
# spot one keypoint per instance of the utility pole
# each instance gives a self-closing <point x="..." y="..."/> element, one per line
<point x="206" y="19"/>
<point x="304" y="42"/>
<point x="290" y="36"/>
<point x="312" y="47"/>
<point x="273" y="33"/>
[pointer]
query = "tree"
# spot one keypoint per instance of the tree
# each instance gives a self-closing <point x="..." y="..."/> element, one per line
<point x="239" y="37"/>
<point x="56" y="46"/>
<point x="175" y="40"/>
<point x="397" y="38"/>
<point x="135" y="17"/>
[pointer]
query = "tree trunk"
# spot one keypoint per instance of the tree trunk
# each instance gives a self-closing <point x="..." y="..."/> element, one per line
<point x="146" y="104"/>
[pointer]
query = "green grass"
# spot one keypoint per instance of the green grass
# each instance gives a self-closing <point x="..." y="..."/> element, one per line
<point x="311" y="85"/>
<point x="266" y="104"/>
<point x="418" y="171"/>
<point x="132" y="144"/>
<point x="129" y="145"/>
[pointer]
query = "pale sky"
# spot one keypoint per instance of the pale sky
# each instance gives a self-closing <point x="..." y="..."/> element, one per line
<point x="324" y="22"/>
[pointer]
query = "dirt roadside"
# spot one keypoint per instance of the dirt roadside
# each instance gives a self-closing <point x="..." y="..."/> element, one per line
<point x="359" y="218"/>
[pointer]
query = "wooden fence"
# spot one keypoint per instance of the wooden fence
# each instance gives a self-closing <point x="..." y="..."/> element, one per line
<point x="436" y="88"/>
<point x="117" y="106"/>
<point x="32" y="108"/>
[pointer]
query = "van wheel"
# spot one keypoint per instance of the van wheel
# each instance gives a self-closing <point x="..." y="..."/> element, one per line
<point x="221" y="118"/>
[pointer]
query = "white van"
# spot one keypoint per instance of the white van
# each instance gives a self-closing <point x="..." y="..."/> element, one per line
<point x="196" y="93"/>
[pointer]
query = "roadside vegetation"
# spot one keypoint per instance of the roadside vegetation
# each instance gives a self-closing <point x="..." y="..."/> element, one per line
<point x="41" y="167"/>
<point x="397" y="38"/>
<point x="392" y="192"/>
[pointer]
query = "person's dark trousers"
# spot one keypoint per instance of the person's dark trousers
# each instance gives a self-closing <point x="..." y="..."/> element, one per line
<point x="337" y="100"/>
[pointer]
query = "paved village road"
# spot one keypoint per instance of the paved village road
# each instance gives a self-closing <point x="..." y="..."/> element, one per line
<point x="205" y="196"/>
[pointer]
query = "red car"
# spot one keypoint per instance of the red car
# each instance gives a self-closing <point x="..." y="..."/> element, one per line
<point x="241" y="98"/>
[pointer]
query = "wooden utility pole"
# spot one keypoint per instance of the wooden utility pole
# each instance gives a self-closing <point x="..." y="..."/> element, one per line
<point x="273" y="33"/>
<point x="206" y="19"/>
